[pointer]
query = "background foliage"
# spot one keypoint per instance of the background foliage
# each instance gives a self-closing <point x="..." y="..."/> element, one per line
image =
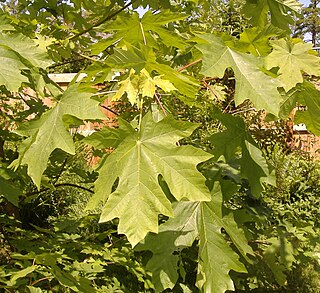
<point x="196" y="188"/>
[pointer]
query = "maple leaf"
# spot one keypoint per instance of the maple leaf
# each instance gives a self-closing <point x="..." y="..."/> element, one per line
<point x="140" y="58"/>
<point x="202" y="220"/>
<point x="108" y="137"/>
<point x="175" y="234"/>
<point x="251" y="82"/>
<point x="292" y="59"/>
<point x="216" y="257"/>
<point x="256" y="40"/>
<point x="282" y="12"/>
<point x="142" y="84"/>
<point x="137" y="163"/>
<point x="132" y="29"/>
<point x="253" y="165"/>
<point x="17" y="53"/>
<point x="309" y="96"/>
<point x="49" y="132"/>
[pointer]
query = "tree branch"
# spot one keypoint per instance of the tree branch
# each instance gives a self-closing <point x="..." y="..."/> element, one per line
<point x="190" y="64"/>
<point x="103" y="20"/>
<point x="59" y="185"/>
<point x="109" y="109"/>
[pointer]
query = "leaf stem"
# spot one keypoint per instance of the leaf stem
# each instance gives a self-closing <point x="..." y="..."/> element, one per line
<point x="140" y="114"/>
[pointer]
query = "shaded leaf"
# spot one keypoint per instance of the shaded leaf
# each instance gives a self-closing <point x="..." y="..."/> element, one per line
<point x="202" y="220"/>
<point x="177" y="233"/>
<point x="309" y="96"/>
<point x="251" y="82"/>
<point x="132" y="29"/>
<point x="50" y="132"/>
<point x="10" y="191"/>
<point x="282" y="12"/>
<point x="253" y="165"/>
<point x="216" y="257"/>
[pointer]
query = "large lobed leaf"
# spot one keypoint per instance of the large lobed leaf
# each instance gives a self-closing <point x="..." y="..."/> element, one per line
<point x="132" y="29"/>
<point x="292" y="59"/>
<point x="17" y="53"/>
<point x="143" y="57"/>
<point x="175" y="234"/>
<point x="137" y="162"/>
<point x="216" y="257"/>
<point x="50" y="132"/>
<point x="253" y="165"/>
<point x="281" y="11"/>
<point x="204" y="220"/>
<point x="251" y="82"/>
<point x="308" y="95"/>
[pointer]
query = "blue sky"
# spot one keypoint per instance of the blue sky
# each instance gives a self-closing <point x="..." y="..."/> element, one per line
<point x="304" y="2"/>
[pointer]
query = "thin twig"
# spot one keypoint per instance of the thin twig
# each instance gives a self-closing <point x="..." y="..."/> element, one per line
<point x="104" y="93"/>
<point x="74" y="185"/>
<point x="65" y="63"/>
<point x="59" y="185"/>
<point x="209" y="88"/>
<point x="61" y="170"/>
<point x="109" y="109"/>
<point x="190" y="64"/>
<point x="87" y="57"/>
<point x="160" y="104"/>
<point x="42" y="279"/>
<point x="103" y="20"/>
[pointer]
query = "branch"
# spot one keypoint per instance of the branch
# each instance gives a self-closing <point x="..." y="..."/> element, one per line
<point x="103" y="20"/>
<point x="160" y="104"/>
<point x="190" y="64"/>
<point x="65" y="63"/>
<point x="109" y="109"/>
<point x="74" y="185"/>
<point x="59" y="185"/>
<point x="42" y="279"/>
<point x="61" y="170"/>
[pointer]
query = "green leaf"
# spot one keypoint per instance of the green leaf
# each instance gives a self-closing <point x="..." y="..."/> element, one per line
<point x="175" y="234"/>
<point x="10" y="71"/>
<point x="216" y="257"/>
<point x="251" y="82"/>
<point x="293" y="59"/>
<point x="137" y="162"/>
<point x="282" y="12"/>
<point x="109" y="137"/>
<point x="18" y="52"/>
<point x="253" y="165"/>
<point x="132" y="29"/>
<point x="256" y="40"/>
<point x="9" y="191"/>
<point x="26" y="49"/>
<point x="50" y="132"/>
<point x="21" y="274"/>
<point x="202" y="220"/>
<point x="309" y="96"/>
<point x="280" y="256"/>
<point x="34" y="289"/>
<point x="139" y="58"/>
